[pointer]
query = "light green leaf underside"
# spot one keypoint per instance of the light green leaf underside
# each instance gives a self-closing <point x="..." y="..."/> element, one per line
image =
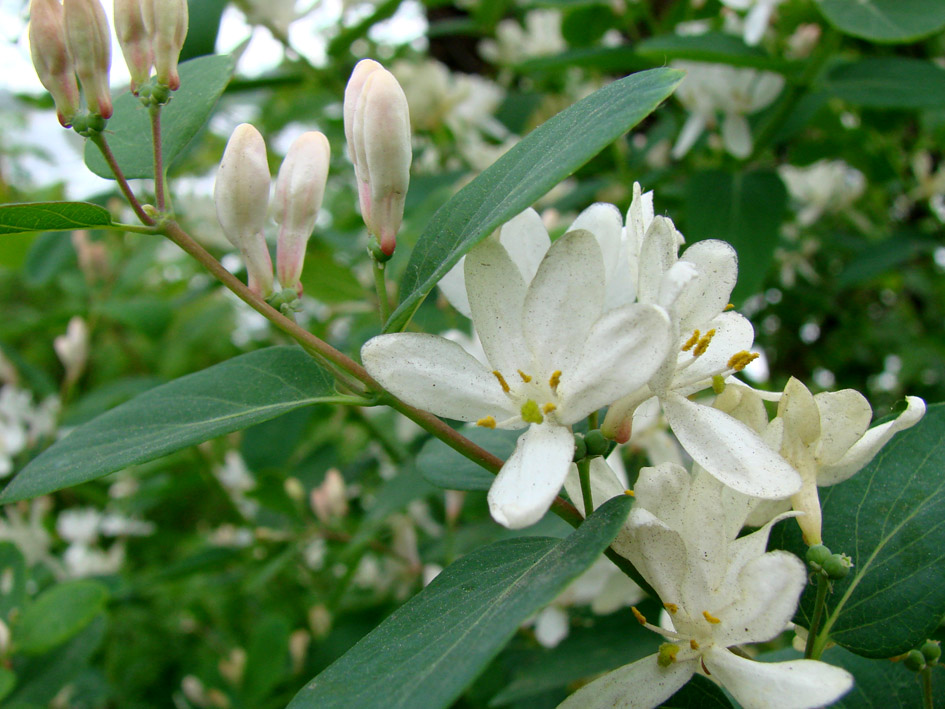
<point x="221" y="399"/>
<point x="202" y="81"/>
<point x="541" y="160"/>
<point x="52" y="216"/>
<point x="429" y="650"/>
<point x="889" y="21"/>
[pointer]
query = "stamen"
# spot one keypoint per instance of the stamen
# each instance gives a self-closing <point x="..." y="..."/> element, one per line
<point x="693" y="644"/>
<point x="671" y="607"/>
<point x="691" y="341"/>
<point x="742" y="359"/>
<point x="555" y="380"/>
<point x="711" y="618"/>
<point x="549" y="407"/>
<point x="525" y="377"/>
<point x="629" y="493"/>
<point x="703" y="343"/>
<point x="487" y="422"/>
<point x="504" y="384"/>
<point x="641" y="619"/>
<point x="667" y="654"/>
<point x="531" y="413"/>
<point x="728" y="307"/>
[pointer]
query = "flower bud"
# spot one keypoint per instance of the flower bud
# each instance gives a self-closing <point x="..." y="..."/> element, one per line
<point x="134" y="40"/>
<point x="51" y="59"/>
<point x="378" y="132"/>
<point x="166" y="21"/>
<point x="90" y="46"/>
<point x="817" y="555"/>
<point x="300" y="189"/>
<point x="241" y="194"/>
<point x="931" y="650"/>
<point x="914" y="661"/>
<point x="837" y="566"/>
<point x="329" y="500"/>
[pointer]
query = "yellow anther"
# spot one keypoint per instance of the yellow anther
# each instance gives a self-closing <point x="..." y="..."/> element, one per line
<point x="641" y="619"/>
<point x="555" y="380"/>
<point x="729" y="307"/>
<point x="711" y="618"/>
<point x="629" y="493"/>
<point x="549" y="407"/>
<point x="531" y="413"/>
<point x="667" y="654"/>
<point x="703" y="344"/>
<point x="742" y="359"/>
<point x="487" y="422"/>
<point x="693" y="644"/>
<point x="691" y="341"/>
<point x="525" y="377"/>
<point x="672" y="608"/>
<point x="504" y="384"/>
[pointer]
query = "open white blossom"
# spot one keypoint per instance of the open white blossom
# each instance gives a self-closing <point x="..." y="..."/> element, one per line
<point x="757" y="19"/>
<point x="556" y="354"/>
<point x="823" y="187"/>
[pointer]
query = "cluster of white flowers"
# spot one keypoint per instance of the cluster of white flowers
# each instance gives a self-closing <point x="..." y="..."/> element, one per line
<point x="23" y="423"/>
<point x="612" y="315"/>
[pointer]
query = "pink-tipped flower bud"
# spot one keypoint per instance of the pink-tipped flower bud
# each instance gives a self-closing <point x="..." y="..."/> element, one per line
<point x="51" y="59"/>
<point x="378" y="132"/>
<point x="241" y="194"/>
<point x="90" y="46"/>
<point x="166" y="21"/>
<point x="134" y="40"/>
<point x="300" y="189"/>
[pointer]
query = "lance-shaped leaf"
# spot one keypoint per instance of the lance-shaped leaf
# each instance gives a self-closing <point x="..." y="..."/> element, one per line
<point x="52" y="216"/>
<point x="221" y="399"/>
<point x="541" y="160"/>
<point x="429" y="650"/>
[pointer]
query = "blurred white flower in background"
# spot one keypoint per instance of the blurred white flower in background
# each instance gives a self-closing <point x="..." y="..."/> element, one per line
<point x="823" y="187"/>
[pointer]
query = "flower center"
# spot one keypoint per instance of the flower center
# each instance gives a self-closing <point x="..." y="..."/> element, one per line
<point x="535" y="400"/>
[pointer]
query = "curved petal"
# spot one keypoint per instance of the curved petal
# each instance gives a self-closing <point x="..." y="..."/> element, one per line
<point x="868" y="446"/>
<point x="564" y="300"/>
<point x="736" y="135"/>
<point x="639" y="218"/>
<point x="436" y="375"/>
<point x="496" y="293"/>
<point x="526" y="240"/>
<point x="620" y="353"/>
<point x="797" y="684"/>
<point x="640" y="685"/>
<point x="689" y="134"/>
<point x="605" y="222"/>
<point x="532" y="476"/>
<point x="709" y="293"/>
<point x="659" y="554"/>
<point x="844" y="417"/>
<point x="729" y="450"/>
<point x="657" y="256"/>
<point x="453" y="287"/>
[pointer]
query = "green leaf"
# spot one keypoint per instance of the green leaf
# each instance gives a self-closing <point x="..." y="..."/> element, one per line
<point x="224" y="398"/>
<point x="698" y="693"/>
<point x="885" y="20"/>
<point x="889" y="82"/>
<point x="446" y="468"/>
<point x="58" y="614"/>
<point x="429" y="650"/>
<point x="202" y="81"/>
<point x="52" y="216"/>
<point x="708" y="47"/>
<point x="267" y="658"/>
<point x="889" y="518"/>
<point x="542" y="159"/>
<point x="744" y="209"/>
<point x="7" y="682"/>
<point x="881" y="683"/>
<point x="12" y="579"/>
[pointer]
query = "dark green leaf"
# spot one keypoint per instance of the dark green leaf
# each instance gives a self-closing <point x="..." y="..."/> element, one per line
<point x="882" y="684"/>
<point x="12" y="579"/>
<point x="224" y="398"/>
<point x="267" y="658"/>
<point x="202" y="80"/>
<point x="58" y="614"/>
<point x="889" y="82"/>
<point x="885" y="20"/>
<point x="698" y="693"/>
<point x="7" y="682"/>
<point x="889" y="518"/>
<point x="429" y="650"/>
<point x="52" y="216"/>
<point x="49" y="254"/>
<point x="543" y="158"/>
<point x="446" y="468"/>
<point x="709" y="47"/>
<point x="744" y="209"/>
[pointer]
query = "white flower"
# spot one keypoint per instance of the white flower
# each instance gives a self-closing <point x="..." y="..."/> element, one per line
<point x="555" y="355"/>
<point x="757" y="19"/>
<point x="826" y="186"/>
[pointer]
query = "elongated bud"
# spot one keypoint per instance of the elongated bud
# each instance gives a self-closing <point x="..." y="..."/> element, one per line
<point x="300" y="189"/>
<point x="134" y="40"/>
<point x="241" y="194"/>
<point x="378" y="131"/>
<point x="90" y="46"/>
<point x="51" y="59"/>
<point x="166" y="21"/>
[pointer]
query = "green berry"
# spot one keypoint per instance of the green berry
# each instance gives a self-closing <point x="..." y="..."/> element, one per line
<point x="817" y="554"/>
<point x="931" y="650"/>
<point x="837" y="566"/>
<point x="580" y="447"/>
<point x="597" y="443"/>
<point x="914" y="660"/>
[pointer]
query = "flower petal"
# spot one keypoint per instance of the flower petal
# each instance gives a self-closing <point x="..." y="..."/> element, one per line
<point x="797" y="684"/>
<point x="564" y="300"/>
<point x="640" y="685"/>
<point x="729" y="450"/>
<point x="709" y="293"/>
<point x="736" y="135"/>
<point x="526" y="239"/>
<point x="435" y="374"/>
<point x="733" y="334"/>
<point x="605" y="222"/>
<point x="658" y="553"/>
<point x="453" y="287"/>
<point x="620" y="353"/>
<point x="868" y="446"/>
<point x="532" y="476"/>
<point x="844" y="417"/>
